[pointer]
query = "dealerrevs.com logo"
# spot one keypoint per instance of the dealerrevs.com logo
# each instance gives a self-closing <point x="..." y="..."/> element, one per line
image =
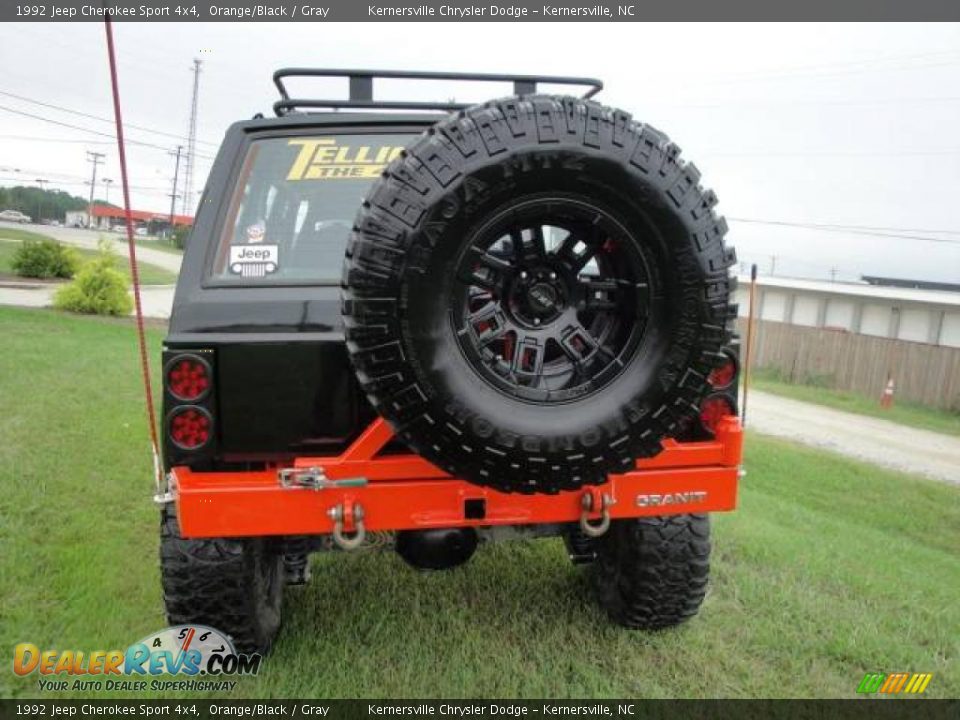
<point x="190" y="652"/>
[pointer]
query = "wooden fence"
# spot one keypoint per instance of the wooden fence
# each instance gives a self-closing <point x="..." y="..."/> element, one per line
<point x="927" y="374"/>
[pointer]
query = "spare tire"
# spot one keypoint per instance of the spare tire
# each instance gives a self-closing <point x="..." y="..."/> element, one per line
<point x="535" y="292"/>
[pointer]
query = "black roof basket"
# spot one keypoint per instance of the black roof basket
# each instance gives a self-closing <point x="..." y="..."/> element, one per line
<point x="361" y="88"/>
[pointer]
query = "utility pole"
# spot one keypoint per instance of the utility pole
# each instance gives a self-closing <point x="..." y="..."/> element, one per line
<point x="773" y="265"/>
<point x="96" y="159"/>
<point x="106" y="189"/>
<point x="173" y="194"/>
<point x="41" y="182"/>
<point x="191" y="143"/>
<point x="833" y="274"/>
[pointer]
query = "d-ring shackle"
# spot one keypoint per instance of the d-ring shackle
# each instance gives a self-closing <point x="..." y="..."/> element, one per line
<point x="337" y="514"/>
<point x="586" y="502"/>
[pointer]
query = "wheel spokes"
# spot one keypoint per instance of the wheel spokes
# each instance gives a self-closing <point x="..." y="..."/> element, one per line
<point x="599" y="294"/>
<point x="528" y="354"/>
<point x="485" y="269"/>
<point x="578" y="249"/>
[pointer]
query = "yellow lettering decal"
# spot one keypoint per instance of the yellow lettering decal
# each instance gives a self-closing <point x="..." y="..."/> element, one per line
<point x="308" y="148"/>
<point x="323" y="159"/>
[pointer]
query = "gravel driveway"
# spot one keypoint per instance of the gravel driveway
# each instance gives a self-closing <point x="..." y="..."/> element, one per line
<point x="882" y="442"/>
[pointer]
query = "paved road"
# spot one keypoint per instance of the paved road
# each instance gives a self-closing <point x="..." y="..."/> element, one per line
<point x="882" y="442"/>
<point x="80" y="237"/>
<point x="156" y="299"/>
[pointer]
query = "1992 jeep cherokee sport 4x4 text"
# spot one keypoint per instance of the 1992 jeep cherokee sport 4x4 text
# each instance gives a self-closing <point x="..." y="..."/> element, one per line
<point x="433" y="325"/>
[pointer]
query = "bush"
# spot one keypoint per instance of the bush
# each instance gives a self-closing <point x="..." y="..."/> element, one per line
<point x="179" y="237"/>
<point x="98" y="289"/>
<point x="44" y="258"/>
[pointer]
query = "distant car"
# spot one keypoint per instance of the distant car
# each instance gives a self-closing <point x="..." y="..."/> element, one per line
<point x="14" y="216"/>
<point x="140" y="232"/>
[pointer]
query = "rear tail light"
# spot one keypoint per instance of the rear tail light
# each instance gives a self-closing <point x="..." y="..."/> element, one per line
<point x="189" y="427"/>
<point x="723" y="376"/>
<point x="714" y="408"/>
<point x="188" y="378"/>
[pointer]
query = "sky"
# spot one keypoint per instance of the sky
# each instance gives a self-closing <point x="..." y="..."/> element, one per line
<point x="853" y="125"/>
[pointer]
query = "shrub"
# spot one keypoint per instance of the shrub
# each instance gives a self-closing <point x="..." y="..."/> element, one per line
<point x="179" y="237"/>
<point x="98" y="289"/>
<point x="44" y="258"/>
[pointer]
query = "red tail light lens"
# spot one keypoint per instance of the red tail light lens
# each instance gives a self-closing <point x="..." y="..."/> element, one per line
<point x="722" y="376"/>
<point x="188" y="378"/>
<point x="713" y="409"/>
<point x="189" y="428"/>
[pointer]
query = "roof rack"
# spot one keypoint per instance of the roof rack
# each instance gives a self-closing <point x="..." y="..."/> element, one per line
<point x="361" y="88"/>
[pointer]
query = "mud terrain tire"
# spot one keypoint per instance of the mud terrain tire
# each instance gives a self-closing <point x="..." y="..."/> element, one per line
<point x="232" y="585"/>
<point x="535" y="292"/>
<point x="651" y="573"/>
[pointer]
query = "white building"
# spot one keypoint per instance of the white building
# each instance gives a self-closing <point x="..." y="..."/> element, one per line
<point x="923" y="316"/>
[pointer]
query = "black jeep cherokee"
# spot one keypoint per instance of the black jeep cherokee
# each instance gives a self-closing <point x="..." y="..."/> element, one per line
<point x="533" y="292"/>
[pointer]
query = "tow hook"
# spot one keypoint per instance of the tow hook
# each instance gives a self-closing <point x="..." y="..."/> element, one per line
<point x="345" y="516"/>
<point x="165" y="495"/>
<point x="588" y="502"/>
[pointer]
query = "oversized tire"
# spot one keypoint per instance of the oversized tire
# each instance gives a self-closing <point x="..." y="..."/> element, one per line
<point x="651" y="573"/>
<point x="535" y="292"/>
<point x="232" y="585"/>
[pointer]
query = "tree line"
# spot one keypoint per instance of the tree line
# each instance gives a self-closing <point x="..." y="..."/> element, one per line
<point x="42" y="204"/>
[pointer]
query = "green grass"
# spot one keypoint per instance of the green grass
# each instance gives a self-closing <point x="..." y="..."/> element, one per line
<point x="149" y="274"/>
<point x="151" y="243"/>
<point x="829" y="569"/>
<point x="7" y="233"/>
<point x="905" y="413"/>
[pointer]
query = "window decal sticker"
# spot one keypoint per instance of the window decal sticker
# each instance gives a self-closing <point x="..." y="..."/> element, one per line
<point x="254" y="260"/>
<point x="326" y="159"/>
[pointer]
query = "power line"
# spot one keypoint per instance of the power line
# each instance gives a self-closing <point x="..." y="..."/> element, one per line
<point x="831" y="153"/>
<point x="35" y="138"/>
<point x="97" y="117"/>
<point x="30" y="171"/>
<point x="89" y="130"/>
<point x="852" y="229"/>
<point x="145" y="189"/>
<point x="839" y="69"/>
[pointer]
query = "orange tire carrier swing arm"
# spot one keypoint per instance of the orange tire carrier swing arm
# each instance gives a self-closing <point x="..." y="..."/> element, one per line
<point x="357" y="491"/>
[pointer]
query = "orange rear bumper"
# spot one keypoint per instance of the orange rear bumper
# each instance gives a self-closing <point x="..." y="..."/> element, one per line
<point x="406" y="492"/>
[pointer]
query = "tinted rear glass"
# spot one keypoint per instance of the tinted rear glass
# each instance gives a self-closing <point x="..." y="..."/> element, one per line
<point x="293" y="206"/>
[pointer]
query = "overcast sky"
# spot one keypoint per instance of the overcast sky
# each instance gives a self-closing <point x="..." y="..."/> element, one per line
<point x="836" y="124"/>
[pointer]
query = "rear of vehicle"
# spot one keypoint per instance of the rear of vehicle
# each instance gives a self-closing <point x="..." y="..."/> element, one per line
<point x="331" y="375"/>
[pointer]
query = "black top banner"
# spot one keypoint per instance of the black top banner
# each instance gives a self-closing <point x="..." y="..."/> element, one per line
<point x="465" y="11"/>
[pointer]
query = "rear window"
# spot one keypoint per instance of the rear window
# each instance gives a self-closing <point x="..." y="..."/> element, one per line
<point x="293" y="206"/>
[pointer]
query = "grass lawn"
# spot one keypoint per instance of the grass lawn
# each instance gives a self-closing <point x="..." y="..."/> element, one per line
<point x="830" y="568"/>
<point x="149" y="242"/>
<point x="905" y="413"/>
<point x="9" y="233"/>
<point x="149" y="274"/>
